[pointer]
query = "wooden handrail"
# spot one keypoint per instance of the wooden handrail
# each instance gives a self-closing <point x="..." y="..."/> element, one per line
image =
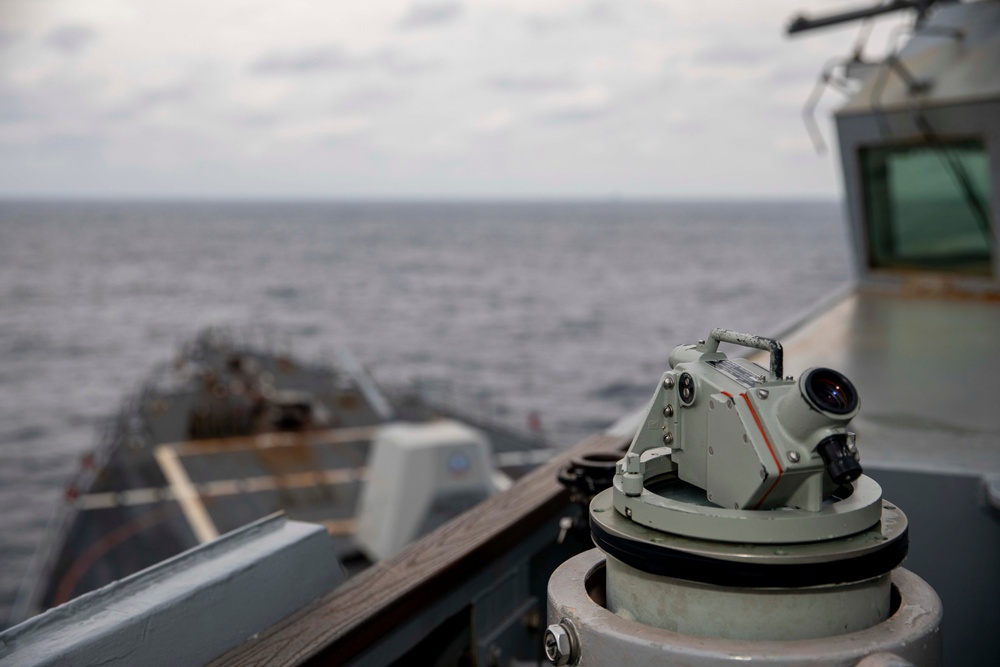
<point x="354" y="616"/>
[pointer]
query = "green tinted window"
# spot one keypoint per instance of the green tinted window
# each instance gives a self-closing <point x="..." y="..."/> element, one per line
<point x="927" y="207"/>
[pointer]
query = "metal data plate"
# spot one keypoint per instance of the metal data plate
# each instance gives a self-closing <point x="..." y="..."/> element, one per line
<point x="734" y="371"/>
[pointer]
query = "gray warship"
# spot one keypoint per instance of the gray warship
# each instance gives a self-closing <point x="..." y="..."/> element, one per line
<point x="230" y="431"/>
<point x="759" y="509"/>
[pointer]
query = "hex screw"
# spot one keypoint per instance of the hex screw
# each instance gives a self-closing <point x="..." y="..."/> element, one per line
<point x="558" y="644"/>
<point x="494" y="655"/>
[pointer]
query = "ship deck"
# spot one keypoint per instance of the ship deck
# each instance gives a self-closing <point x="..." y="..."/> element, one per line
<point x="926" y="369"/>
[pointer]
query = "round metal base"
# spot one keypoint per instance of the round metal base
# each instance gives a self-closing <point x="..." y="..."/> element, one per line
<point x="863" y="555"/>
<point x="671" y="505"/>
<point x="576" y="600"/>
<point x="728" y="612"/>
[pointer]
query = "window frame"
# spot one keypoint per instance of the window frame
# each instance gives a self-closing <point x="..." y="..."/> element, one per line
<point x="869" y="226"/>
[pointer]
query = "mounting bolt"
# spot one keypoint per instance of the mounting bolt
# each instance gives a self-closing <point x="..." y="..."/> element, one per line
<point x="668" y="411"/>
<point x="668" y="382"/>
<point x="494" y="656"/>
<point x="762" y="394"/>
<point x="793" y="457"/>
<point x="559" y="644"/>
<point x="668" y="438"/>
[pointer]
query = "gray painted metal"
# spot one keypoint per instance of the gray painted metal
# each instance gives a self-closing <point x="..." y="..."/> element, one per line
<point x="911" y="633"/>
<point x="856" y="513"/>
<point x="991" y="487"/>
<point x="744" y="440"/>
<point x="955" y="52"/>
<point x="925" y="368"/>
<point x="749" y="340"/>
<point x="955" y="547"/>
<point x="188" y="609"/>
<point x="892" y="526"/>
<point x="962" y="102"/>
<point x="350" y="365"/>
<point x="745" y="613"/>
<point x="499" y="608"/>
<point x="420" y="475"/>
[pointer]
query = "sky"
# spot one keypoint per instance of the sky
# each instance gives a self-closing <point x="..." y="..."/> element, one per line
<point x="402" y="99"/>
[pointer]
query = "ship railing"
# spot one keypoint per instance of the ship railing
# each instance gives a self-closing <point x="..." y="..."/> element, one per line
<point x="458" y="580"/>
<point x="127" y="423"/>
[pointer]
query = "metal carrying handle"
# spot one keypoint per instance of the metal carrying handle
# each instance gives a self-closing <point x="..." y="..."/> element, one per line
<point x="749" y="340"/>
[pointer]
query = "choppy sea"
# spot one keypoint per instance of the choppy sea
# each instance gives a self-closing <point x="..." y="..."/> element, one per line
<point x="568" y="309"/>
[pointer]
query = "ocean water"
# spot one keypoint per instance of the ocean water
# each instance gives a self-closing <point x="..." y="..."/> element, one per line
<point x="567" y="309"/>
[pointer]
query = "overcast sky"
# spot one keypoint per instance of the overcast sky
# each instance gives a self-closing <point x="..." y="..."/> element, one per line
<point x="446" y="98"/>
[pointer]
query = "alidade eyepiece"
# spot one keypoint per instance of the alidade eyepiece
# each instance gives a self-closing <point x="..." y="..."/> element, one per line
<point x="841" y="463"/>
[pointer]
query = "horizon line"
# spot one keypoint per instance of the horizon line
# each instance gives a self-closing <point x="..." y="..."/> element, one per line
<point x="413" y="199"/>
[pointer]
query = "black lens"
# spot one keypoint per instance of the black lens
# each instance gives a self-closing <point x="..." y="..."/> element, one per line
<point x="840" y="461"/>
<point x="830" y="391"/>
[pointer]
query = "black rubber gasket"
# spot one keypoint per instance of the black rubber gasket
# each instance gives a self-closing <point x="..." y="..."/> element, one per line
<point x="664" y="561"/>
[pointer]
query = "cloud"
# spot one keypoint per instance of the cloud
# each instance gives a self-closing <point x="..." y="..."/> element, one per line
<point x="579" y="105"/>
<point x="493" y="122"/>
<point x="322" y="128"/>
<point x="319" y="59"/>
<point x="602" y="12"/>
<point x="794" y="73"/>
<point x="71" y="38"/>
<point x="596" y="13"/>
<point x="727" y="54"/>
<point x="430" y="14"/>
<point x="11" y="108"/>
<point x="176" y="92"/>
<point x="153" y="97"/>
<point x="369" y="99"/>
<point x="397" y="63"/>
<point x="307" y="61"/>
<point x="8" y="37"/>
<point x="519" y="87"/>
<point x="531" y="83"/>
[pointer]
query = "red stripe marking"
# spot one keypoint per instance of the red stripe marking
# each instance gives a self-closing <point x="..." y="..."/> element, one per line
<point x="769" y="448"/>
<point x="96" y="551"/>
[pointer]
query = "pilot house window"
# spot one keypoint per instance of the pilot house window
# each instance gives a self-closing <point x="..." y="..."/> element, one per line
<point x="927" y="207"/>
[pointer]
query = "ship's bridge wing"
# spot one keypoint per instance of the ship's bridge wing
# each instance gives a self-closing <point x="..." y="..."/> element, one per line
<point x="920" y="150"/>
